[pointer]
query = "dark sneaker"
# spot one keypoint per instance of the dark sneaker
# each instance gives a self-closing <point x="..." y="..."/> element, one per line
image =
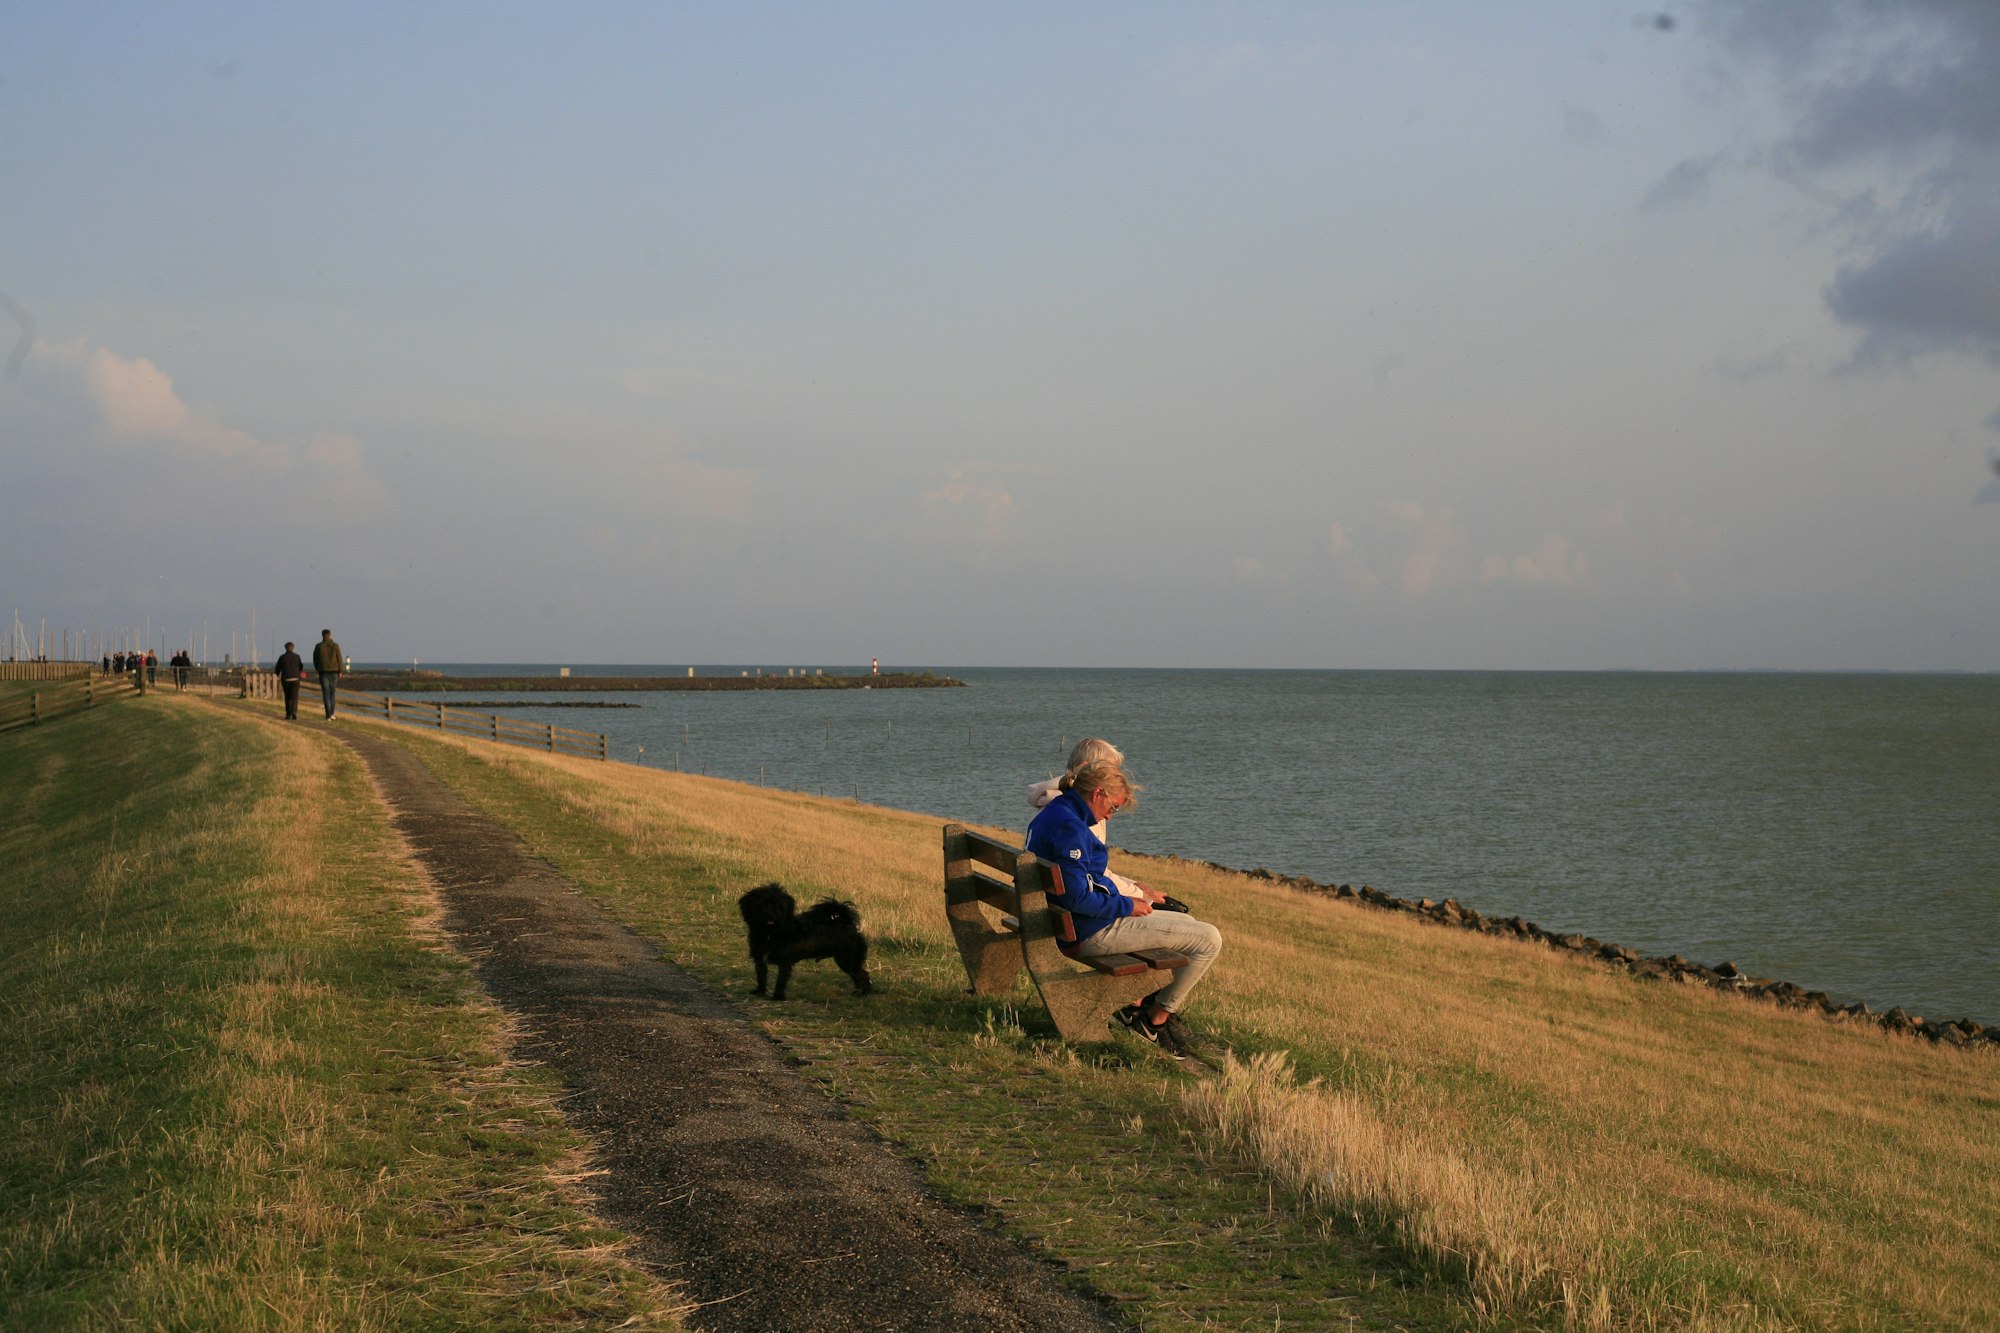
<point x="1176" y="1035"/>
<point x="1134" y="1017"/>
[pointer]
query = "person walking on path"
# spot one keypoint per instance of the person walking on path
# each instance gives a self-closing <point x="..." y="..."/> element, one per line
<point x="329" y="663"/>
<point x="291" y="669"/>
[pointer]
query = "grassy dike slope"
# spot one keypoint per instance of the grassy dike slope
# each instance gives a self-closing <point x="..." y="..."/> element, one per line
<point x="243" y="1084"/>
<point x="239" y="1089"/>
<point x="1427" y="1127"/>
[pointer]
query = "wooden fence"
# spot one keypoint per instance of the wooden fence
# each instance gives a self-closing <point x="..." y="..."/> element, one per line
<point x="46" y="670"/>
<point x="444" y="717"/>
<point x="486" y="726"/>
<point x="61" y="697"/>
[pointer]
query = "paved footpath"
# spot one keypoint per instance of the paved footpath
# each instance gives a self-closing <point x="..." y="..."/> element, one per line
<point x="743" y="1182"/>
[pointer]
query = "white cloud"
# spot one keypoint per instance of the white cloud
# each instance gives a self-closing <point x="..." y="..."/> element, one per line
<point x="980" y="506"/>
<point x="1431" y="541"/>
<point x="1423" y="546"/>
<point x="1554" y="561"/>
<point x="138" y="408"/>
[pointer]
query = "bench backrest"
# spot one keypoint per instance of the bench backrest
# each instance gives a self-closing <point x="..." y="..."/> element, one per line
<point x="980" y="900"/>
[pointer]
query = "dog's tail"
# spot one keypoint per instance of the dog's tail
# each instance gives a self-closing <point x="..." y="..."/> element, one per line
<point x="832" y="912"/>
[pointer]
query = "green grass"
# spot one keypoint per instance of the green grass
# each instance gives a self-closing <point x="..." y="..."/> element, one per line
<point x="1461" y="1130"/>
<point x="1441" y="1130"/>
<point x="244" y="1085"/>
<point x="1089" y="1160"/>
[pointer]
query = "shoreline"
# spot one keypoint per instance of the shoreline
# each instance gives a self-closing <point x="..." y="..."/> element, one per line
<point x="418" y="682"/>
<point x="1959" y="1032"/>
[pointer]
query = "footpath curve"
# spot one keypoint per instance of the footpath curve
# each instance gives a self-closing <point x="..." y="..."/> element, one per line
<point x="742" y="1182"/>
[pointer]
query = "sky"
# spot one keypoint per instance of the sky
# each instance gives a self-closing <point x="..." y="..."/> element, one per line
<point x="1570" y="335"/>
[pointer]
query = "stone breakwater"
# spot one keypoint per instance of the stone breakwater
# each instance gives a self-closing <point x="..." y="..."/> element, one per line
<point x="1962" y="1032"/>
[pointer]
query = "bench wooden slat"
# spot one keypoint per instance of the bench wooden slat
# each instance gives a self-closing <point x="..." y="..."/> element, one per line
<point x="1064" y="923"/>
<point x="1117" y="964"/>
<point x="1000" y="897"/>
<point x="1165" y="960"/>
<point x="988" y="852"/>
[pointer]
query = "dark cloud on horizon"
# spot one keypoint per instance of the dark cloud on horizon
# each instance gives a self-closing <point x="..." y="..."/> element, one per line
<point x="1913" y="86"/>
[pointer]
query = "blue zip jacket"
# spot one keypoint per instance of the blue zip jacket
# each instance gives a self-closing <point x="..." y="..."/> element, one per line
<point x="1061" y="835"/>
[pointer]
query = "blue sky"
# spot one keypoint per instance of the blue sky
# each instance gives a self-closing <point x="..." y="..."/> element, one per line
<point x="1397" y="335"/>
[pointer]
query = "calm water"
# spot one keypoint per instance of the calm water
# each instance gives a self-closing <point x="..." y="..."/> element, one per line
<point x="1838" y="831"/>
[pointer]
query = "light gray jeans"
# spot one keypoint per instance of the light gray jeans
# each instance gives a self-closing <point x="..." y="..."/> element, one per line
<point x="1201" y="942"/>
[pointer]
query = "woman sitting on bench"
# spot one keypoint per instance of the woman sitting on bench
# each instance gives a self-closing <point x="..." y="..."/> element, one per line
<point x="1106" y="920"/>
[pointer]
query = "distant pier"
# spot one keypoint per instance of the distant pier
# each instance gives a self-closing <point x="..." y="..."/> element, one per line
<point x="400" y="682"/>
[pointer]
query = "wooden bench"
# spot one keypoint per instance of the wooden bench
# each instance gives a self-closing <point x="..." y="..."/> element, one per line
<point x="997" y="899"/>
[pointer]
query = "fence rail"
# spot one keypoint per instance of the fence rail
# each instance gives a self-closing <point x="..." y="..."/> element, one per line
<point x="443" y="717"/>
<point x="61" y="697"/>
<point x="488" y="726"/>
<point x="46" y="670"/>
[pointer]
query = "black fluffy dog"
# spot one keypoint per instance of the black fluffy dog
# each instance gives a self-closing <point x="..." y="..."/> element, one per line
<point x="782" y="936"/>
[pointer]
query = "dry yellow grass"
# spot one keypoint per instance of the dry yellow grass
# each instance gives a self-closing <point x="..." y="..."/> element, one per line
<point x="243" y="1097"/>
<point x="1575" y="1145"/>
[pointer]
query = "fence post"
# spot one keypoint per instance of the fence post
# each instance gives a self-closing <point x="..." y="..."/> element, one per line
<point x="493" y="724"/>
<point x="34" y="708"/>
<point x="552" y="738"/>
<point x="388" y="708"/>
<point x="440" y="717"/>
<point x="603" y="746"/>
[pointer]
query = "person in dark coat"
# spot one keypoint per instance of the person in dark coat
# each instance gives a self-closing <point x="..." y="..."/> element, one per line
<point x="291" y="669"/>
<point x="329" y="661"/>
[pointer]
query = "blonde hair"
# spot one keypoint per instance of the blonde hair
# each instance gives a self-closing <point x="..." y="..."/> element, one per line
<point x="1101" y="775"/>
<point x="1094" y="747"/>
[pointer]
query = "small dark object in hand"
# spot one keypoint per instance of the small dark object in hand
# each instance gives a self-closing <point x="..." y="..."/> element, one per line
<point x="782" y="936"/>
<point x="1169" y="903"/>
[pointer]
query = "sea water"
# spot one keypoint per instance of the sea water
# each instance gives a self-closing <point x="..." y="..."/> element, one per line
<point x="1838" y="831"/>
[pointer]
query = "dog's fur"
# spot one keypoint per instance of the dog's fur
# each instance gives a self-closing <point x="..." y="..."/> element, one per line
<point x="781" y="936"/>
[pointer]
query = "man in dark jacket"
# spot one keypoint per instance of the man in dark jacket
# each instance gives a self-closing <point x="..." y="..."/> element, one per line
<point x="329" y="663"/>
<point x="291" y="669"/>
